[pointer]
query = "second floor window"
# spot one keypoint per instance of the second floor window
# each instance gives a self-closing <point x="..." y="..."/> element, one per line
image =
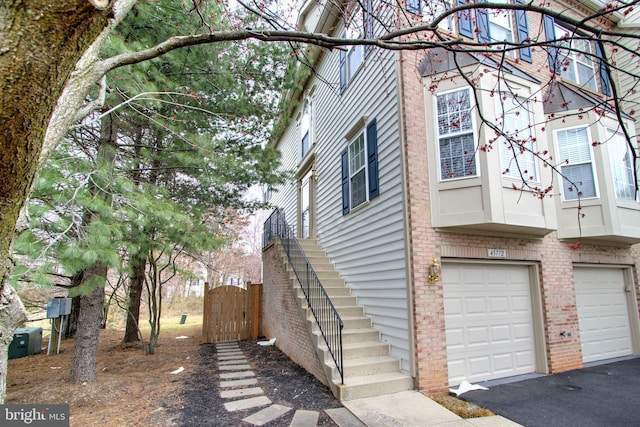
<point x="456" y="140"/>
<point x="517" y="153"/>
<point x="360" y="168"/>
<point x="575" y="57"/>
<point x="358" y="25"/>
<point x="306" y="127"/>
<point x="574" y="153"/>
<point x="621" y="166"/>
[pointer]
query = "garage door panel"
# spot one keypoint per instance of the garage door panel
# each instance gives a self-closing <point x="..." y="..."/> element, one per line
<point x="603" y="314"/>
<point x="489" y="321"/>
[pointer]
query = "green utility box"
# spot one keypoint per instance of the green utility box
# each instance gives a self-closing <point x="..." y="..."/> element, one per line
<point x="26" y="341"/>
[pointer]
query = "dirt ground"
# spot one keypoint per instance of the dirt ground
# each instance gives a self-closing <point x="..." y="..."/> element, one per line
<point x="134" y="389"/>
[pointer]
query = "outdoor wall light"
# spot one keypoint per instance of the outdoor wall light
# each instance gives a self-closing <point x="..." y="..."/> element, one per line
<point x="434" y="271"/>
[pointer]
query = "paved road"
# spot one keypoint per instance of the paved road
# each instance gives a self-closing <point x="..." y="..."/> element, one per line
<point x="599" y="396"/>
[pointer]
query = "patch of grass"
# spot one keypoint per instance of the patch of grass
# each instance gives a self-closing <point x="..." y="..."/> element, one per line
<point x="462" y="408"/>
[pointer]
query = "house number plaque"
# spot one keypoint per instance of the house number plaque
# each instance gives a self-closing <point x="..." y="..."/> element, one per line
<point x="497" y="253"/>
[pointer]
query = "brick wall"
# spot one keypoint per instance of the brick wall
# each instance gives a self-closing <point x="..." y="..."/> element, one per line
<point x="282" y="317"/>
<point x="554" y="258"/>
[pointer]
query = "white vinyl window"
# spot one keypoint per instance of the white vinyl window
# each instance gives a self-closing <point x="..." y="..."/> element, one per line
<point x="456" y="141"/>
<point x="516" y="145"/>
<point x="358" y="171"/>
<point x="306" y="123"/>
<point x="575" y="157"/>
<point x="621" y="166"/>
<point x="433" y="9"/>
<point x="575" y="60"/>
<point x="501" y="27"/>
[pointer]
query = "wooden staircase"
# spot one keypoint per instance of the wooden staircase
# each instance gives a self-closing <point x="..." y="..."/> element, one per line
<point x="369" y="370"/>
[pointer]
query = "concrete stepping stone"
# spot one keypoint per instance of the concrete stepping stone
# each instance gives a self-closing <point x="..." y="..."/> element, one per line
<point x="242" y="392"/>
<point x="267" y="415"/>
<point x="231" y="356"/>
<point x="252" y="402"/>
<point x="304" y="418"/>
<point x="343" y="418"/>
<point x="236" y="375"/>
<point x="238" y="383"/>
<point x="234" y="367"/>
<point x="229" y="352"/>
<point x="232" y="362"/>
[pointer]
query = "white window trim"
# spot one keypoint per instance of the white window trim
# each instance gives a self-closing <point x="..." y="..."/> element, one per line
<point x="574" y="57"/>
<point x="498" y="112"/>
<point x="428" y="7"/>
<point x="473" y="132"/>
<point x="610" y="132"/>
<point x="593" y="164"/>
<point x="493" y="16"/>
<point x="351" y="141"/>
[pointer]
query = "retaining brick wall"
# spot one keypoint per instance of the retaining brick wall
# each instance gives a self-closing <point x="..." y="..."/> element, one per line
<point x="282" y="317"/>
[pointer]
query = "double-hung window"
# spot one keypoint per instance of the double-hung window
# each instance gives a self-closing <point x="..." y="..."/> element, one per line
<point x="456" y="140"/>
<point x="433" y="9"/>
<point x="576" y="163"/>
<point x="494" y="26"/>
<point x="571" y="55"/>
<point x="360" y="168"/>
<point x="516" y="144"/>
<point x="306" y="124"/>
<point x="358" y="25"/>
<point x="621" y="166"/>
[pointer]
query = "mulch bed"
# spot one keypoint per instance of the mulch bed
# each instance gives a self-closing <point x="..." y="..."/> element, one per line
<point x="283" y="382"/>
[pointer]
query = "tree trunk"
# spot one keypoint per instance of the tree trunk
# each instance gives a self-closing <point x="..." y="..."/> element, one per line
<point x="72" y="319"/>
<point x="136" y="284"/>
<point x="12" y="314"/>
<point x="85" y="348"/>
<point x="40" y="45"/>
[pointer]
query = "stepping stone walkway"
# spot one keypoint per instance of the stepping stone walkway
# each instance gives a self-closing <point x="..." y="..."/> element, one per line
<point x="241" y="391"/>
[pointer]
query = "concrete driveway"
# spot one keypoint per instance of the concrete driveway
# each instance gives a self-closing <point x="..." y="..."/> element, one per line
<point x="599" y="396"/>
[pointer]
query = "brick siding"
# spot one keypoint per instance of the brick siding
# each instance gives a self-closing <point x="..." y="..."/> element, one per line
<point x="282" y="317"/>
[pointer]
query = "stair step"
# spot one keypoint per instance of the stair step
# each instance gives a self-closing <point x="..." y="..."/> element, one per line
<point x="356" y="322"/>
<point x="369" y="369"/>
<point x="367" y="366"/>
<point x="373" y="385"/>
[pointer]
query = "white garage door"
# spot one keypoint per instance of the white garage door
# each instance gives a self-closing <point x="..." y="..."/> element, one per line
<point x="603" y="313"/>
<point x="489" y="321"/>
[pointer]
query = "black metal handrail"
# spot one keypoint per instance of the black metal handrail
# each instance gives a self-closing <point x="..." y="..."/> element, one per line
<point x="324" y="312"/>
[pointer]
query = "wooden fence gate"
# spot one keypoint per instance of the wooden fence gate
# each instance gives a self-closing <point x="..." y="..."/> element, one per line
<point x="231" y="313"/>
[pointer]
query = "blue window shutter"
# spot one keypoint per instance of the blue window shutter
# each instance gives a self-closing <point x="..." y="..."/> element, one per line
<point x="522" y="27"/>
<point x="550" y="35"/>
<point x="482" y="21"/>
<point x="343" y="70"/>
<point x="345" y="181"/>
<point x="372" y="152"/>
<point x="414" y="6"/>
<point x="465" y="23"/>
<point x="605" y="84"/>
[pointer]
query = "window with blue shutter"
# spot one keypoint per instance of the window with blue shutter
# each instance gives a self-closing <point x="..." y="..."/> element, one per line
<point x="605" y="84"/>
<point x="414" y="6"/>
<point x="482" y="21"/>
<point x="550" y="36"/>
<point x="359" y="162"/>
<point x="372" y="152"/>
<point x="345" y="181"/>
<point x="343" y="70"/>
<point x="522" y="30"/>
<point x="465" y="23"/>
